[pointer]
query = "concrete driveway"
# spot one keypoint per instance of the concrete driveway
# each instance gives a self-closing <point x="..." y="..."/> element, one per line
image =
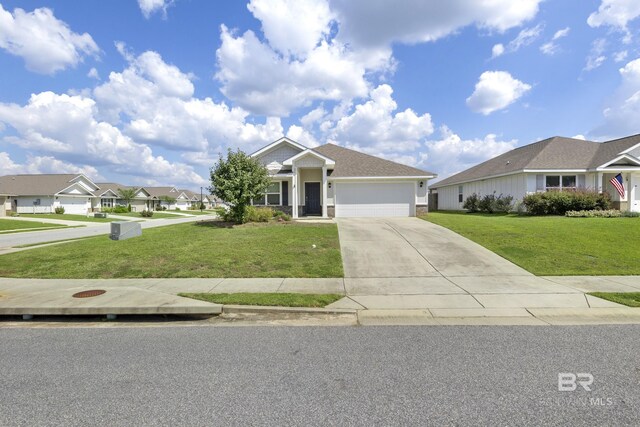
<point x="411" y="247"/>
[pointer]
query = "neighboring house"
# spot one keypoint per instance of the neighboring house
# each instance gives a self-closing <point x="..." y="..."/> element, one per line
<point x="158" y="194"/>
<point x="552" y="164"/>
<point x="332" y="181"/>
<point x="109" y="196"/>
<point x="194" y="199"/>
<point x="43" y="193"/>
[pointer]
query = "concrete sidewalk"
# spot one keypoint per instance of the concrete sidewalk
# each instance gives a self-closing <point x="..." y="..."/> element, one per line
<point x="485" y="300"/>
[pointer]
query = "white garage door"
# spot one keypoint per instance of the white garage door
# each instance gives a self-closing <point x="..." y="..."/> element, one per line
<point x="375" y="199"/>
<point x="74" y="205"/>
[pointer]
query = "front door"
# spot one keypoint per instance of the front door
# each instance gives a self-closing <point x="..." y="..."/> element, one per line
<point x="312" y="198"/>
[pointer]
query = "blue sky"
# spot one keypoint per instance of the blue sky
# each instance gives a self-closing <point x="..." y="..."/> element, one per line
<point x="152" y="91"/>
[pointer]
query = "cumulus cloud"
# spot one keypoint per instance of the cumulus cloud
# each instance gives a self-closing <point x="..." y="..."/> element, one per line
<point x="375" y="127"/>
<point x="497" y="50"/>
<point x="451" y="154"/>
<point x="65" y="127"/>
<point x="307" y="22"/>
<point x="46" y="43"/>
<point x="551" y="47"/>
<point x="494" y="91"/>
<point x="621" y="116"/>
<point x="616" y="14"/>
<point x="319" y="50"/>
<point x="366" y="23"/>
<point x="149" y="7"/>
<point x="254" y="75"/>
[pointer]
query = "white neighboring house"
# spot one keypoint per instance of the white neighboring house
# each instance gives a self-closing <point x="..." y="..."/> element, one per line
<point x="332" y="181"/>
<point x="43" y="193"/>
<point x="179" y="199"/>
<point x="556" y="163"/>
<point x="109" y="197"/>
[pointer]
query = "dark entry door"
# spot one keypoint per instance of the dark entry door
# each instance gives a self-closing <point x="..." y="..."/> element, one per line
<point x="312" y="198"/>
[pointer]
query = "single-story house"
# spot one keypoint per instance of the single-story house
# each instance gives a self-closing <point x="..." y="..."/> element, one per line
<point x="43" y="193"/>
<point x="109" y="197"/>
<point x="556" y="163"/>
<point x="194" y="198"/>
<point x="168" y="197"/>
<point x="77" y="194"/>
<point x="330" y="180"/>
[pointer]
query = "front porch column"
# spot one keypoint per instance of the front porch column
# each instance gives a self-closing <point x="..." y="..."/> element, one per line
<point x="599" y="182"/>
<point x="294" y="193"/>
<point x="324" y="192"/>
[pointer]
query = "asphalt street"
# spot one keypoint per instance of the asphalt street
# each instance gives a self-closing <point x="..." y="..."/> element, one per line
<point x="318" y="376"/>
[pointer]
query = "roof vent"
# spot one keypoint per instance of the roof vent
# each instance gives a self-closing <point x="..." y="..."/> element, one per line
<point x="508" y="161"/>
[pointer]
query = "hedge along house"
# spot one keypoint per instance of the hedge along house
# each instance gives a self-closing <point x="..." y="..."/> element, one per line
<point x="556" y="163"/>
<point x="330" y="181"/>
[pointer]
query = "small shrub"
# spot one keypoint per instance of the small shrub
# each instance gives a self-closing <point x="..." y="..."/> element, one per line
<point x="202" y="206"/>
<point x="503" y="204"/>
<point x="254" y="214"/>
<point x="281" y="216"/>
<point x="120" y="209"/>
<point x="472" y="203"/>
<point x="629" y="214"/>
<point x="129" y="207"/>
<point x="177" y="208"/>
<point x="158" y="208"/>
<point x="106" y="210"/>
<point x="146" y="213"/>
<point x="59" y="210"/>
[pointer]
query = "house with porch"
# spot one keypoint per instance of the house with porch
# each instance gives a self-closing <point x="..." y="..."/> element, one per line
<point x="108" y="196"/>
<point x="330" y="180"/>
<point x="553" y="164"/>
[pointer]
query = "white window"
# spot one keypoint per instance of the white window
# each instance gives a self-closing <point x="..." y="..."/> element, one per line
<point x="560" y="182"/>
<point x="106" y="203"/>
<point x="271" y="196"/>
<point x="460" y="193"/>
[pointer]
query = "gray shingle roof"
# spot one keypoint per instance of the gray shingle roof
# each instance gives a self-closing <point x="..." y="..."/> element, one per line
<point x="553" y="153"/>
<point x="351" y="163"/>
<point x="35" y="185"/>
<point x="163" y="191"/>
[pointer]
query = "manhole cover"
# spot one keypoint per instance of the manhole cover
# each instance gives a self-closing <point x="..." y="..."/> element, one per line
<point x="89" y="294"/>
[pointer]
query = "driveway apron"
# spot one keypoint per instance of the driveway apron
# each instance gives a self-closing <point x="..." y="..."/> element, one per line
<point x="411" y="247"/>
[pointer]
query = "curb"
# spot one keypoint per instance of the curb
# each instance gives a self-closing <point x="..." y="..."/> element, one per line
<point x="264" y="309"/>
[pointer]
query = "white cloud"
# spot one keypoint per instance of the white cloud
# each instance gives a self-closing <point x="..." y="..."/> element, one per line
<point x="620" y="56"/>
<point x="373" y="24"/>
<point x="621" y="116"/>
<point x="324" y="50"/>
<point x="451" y="154"/>
<point x="596" y="55"/>
<point x="149" y="7"/>
<point x="46" y="44"/>
<point x="617" y="14"/>
<point x="494" y="91"/>
<point x="307" y="22"/>
<point x="65" y="127"/>
<point x="551" y="48"/>
<point x="376" y="128"/>
<point x="497" y="50"/>
<point x="93" y="73"/>
<point x="260" y="80"/>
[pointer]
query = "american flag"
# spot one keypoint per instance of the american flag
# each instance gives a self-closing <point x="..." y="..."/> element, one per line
<point x="617" y="182"/>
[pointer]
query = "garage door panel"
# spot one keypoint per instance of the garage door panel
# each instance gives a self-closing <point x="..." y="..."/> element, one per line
<point x="73" y="205"/>
<point x="375" y="199"/>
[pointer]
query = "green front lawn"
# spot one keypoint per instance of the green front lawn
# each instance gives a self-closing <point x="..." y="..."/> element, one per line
<point x="631" y="299"/>
<point x="269" y="299"/>
<point x="156" y="215"/>
<point x="12" y="224"/>
<point x="68" y="217"/>
<point x="199" y="249"/>
<point x="553" y="245"/>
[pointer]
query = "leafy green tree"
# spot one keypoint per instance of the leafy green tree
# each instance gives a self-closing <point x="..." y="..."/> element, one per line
<point x="238" y="179"/>
<point x="168" y="200"/>
<point x="127" y="194"/>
